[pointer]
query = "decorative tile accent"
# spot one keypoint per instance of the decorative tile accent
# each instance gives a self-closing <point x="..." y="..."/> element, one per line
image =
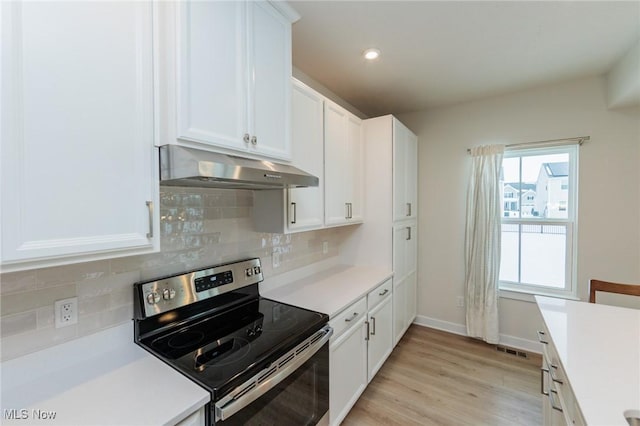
<point x="198" y="227"/>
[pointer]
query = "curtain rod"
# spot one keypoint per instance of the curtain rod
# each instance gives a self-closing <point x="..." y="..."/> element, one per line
<point x="580" y="140"/>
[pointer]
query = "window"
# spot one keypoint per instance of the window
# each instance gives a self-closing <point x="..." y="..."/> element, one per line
<point x="538" y="238"/>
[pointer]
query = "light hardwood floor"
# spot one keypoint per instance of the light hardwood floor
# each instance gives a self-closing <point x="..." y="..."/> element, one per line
<point x="438" y="378"/>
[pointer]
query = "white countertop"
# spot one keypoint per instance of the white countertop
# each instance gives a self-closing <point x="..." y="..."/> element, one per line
<point x="329" y="291"/>
<point x="101" y="379"/>
<point x="599" y="348"/>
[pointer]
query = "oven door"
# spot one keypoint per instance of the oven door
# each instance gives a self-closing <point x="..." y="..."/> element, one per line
<point x="294" y="390"/>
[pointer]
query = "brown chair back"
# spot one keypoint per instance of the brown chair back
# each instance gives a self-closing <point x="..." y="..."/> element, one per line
<point x="597" y="285"/>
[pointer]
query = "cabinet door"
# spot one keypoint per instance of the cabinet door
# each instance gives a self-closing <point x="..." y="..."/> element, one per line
<point x="399" y="310"/>
<point x="405" y="172"/>
<point x="78" y="164"/>
<point x="411" y="259"/>
<point x="336" y="173"/>
<point x="195" y="419"/>
<point x="412" y="174"/>
<point x="412" y="298"/>
<point x="400" y="238"/>
<point x="380" y="336"/>
<point x="354" y="169"/>
<point x="347" y="371"/>
<point x="306" y="205"/>
<point x="343" y="166"/>
<point x="269" y="81"/>
<point x="400" y="207"/>
<point x="405" y="277"/>
<point x="212" y="79"/>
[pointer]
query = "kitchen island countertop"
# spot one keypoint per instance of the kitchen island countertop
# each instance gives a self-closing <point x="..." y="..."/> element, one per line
<point x="599" y="348"/>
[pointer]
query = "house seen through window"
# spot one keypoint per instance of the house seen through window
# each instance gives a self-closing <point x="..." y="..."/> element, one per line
<point x="539" y="189"/>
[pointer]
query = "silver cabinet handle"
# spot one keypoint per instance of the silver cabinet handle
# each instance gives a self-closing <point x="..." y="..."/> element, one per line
<point x="552" y="395"/>
<point x="541" y="335"/>
<point x="150" y="209"/>
<point x="386" y="290"/>
<point x="542" y="373"/>
<point x="294" y="213"/>
<point x="246" y="138"/>
<point x="553" y="376"/>
<point x="367" y="336"/>
<point x="408" y="233"/>
<point x="254" y="140"/>
<point x="355" y="314"/>
<point x="408" y="209"/>
<point x="350" y="211"/>
<point x="346" y="206"/>
<point x="373" y="327"/>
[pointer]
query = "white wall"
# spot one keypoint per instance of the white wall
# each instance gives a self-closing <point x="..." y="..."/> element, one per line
<point x="623" y="81"/>
<point x="609" y="193"/>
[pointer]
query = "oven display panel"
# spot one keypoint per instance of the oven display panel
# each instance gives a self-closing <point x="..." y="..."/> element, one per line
<point x="213" y="281"/>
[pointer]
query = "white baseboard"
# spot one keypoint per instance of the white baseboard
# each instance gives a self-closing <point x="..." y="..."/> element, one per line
<point x="461" y="329"/>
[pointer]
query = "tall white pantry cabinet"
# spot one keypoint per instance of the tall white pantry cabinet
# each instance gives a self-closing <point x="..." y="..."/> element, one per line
<point x="388" y="236"/>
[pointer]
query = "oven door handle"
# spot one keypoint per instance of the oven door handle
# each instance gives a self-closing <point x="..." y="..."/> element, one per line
<point x="268" y="378"/>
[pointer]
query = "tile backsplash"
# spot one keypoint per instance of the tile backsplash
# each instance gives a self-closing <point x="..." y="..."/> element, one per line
<point x="198" y="228"/>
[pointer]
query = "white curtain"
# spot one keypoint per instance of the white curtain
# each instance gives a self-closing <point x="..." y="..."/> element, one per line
<point x="482" y="243"/>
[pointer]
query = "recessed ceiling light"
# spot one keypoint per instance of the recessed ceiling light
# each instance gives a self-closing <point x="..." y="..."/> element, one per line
<point x="371" y="54"/>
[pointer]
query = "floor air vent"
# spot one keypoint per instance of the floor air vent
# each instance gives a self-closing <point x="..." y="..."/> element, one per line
<point x="510" y="351"/>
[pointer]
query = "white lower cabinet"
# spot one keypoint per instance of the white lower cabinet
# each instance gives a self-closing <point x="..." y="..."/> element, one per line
<point x="559" y="405"/>
<point x="347" y="366"/>
<point x="405" y="277"/>
<point x="195" y="419"/>
<point x="361" y="343"/>
<point x="399" y="310"/>
<point x="380" y="335"/>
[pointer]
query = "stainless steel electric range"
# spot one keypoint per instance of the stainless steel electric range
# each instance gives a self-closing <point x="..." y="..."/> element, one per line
<point x="263" y="362"/>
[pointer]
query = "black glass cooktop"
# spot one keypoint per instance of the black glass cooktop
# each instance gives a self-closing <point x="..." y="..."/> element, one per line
<point x="224" y="350"/>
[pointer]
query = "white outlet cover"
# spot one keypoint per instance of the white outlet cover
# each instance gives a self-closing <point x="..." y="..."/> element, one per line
<point x="325" y="247"/>
<point x="275" y="260"/>
<point x="66" y="312"/>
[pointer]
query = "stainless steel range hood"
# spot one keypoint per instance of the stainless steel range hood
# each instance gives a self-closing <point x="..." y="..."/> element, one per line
<point x="180" y="166"/>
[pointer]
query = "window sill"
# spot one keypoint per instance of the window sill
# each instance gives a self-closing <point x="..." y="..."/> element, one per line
<point x="528" y="296"/>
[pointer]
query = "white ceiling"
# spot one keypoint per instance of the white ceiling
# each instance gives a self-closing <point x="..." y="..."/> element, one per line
<point x="442" y="52"/>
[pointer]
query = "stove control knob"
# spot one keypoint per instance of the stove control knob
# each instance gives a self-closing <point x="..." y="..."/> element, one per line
<point x="153" y="298"/>
<point x="168" y="293"/>
<point x="256" y="269"/>
<point x="249" y="272"/>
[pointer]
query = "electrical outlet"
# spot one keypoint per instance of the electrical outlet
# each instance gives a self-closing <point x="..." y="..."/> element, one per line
<point x="460" y="301"/>
<point x="275" y="260"/>
<point x="325" y="247"/>
<point x="66" y="312"/>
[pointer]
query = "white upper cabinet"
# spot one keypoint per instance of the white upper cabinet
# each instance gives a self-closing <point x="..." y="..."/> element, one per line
<point x="79" y="170"/>
<point x="405" y="172"/>
<point x="343" y="166"/>
<point x="306" y="205"/>
<point x="230" y="85"/>
<point x="298" y="209"/>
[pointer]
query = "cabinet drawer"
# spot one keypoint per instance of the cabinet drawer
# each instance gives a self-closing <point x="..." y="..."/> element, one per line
<point x="348" y="317"/>
<point x="380" y="293"/>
